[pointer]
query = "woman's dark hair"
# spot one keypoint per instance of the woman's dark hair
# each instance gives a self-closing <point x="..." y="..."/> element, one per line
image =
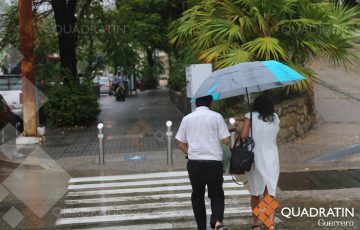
<point x="264" y="106"/>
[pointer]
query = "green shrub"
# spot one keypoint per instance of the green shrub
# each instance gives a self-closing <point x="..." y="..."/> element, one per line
<point x="178" y="61"/>
<point x="72" y="106"/>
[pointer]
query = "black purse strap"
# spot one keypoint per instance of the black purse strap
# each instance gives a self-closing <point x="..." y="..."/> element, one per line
<point x="251" y="132"/>
<point x="232" y="176"/>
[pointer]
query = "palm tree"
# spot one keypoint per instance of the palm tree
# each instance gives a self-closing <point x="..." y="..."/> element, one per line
<point x="295" y="32"/>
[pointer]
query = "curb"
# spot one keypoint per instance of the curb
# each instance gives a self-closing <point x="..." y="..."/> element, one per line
<point x="9" y="163"/>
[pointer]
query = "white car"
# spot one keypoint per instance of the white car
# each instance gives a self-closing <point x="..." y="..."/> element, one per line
<point x="10" y="89"/>
<point x="105" y="84"/>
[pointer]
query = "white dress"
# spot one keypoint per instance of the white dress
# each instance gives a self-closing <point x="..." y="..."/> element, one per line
<point x="267" y="169"/>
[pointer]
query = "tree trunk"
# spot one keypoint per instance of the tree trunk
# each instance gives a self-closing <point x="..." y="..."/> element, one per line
<point x="150" y="80"/>
<point x="90" y="57"/>
<point x="64" y="12"/>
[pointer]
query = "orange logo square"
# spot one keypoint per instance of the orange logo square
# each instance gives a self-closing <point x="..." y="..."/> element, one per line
<point x="266" y="208"/>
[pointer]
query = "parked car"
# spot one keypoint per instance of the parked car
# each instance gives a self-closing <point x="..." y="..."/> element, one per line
<point x="6" y="116"/>
<point x="105" y="84"/>
<point x="11" y="91"/>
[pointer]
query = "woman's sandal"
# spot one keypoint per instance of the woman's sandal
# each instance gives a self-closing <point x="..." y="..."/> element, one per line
<point x="255" y="226"/>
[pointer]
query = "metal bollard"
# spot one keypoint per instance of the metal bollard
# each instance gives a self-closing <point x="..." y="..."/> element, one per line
<point x="101" y="145"/>
<point x="169" y="135"/>
<point x="17" y="126"/>
<point x="232" y="134"/>
<point x="2" y="136"/>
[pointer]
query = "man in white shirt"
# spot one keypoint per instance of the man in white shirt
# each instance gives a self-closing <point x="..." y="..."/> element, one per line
<point x="199" y="138"/>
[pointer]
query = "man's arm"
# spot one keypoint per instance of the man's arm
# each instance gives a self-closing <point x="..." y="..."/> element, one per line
<point x="224" y="134"/>
<point x="183" y="147"/>
<point x="226" y="141"/>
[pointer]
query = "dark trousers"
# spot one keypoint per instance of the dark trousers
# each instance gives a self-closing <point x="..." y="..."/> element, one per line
<point x="210" y="174"/>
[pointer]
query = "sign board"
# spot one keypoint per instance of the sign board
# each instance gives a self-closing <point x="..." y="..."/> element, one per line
<point x="195" y="76"/>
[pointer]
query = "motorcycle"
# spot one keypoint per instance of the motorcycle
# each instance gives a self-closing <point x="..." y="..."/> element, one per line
<point x="119" y="91"/>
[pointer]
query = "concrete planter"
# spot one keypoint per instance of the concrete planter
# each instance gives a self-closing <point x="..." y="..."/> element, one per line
<point x="41" y="131"/>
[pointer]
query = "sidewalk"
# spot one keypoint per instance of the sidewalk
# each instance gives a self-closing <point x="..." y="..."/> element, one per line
<point x="136" y="125"/>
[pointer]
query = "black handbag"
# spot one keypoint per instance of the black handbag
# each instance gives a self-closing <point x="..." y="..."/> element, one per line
<point x="242" y="155"/>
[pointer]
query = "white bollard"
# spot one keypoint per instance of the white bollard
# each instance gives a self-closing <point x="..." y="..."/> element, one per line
<point x="232" y="134"/>
<point x="101" y="145"/>
<point x="169" y="135"/>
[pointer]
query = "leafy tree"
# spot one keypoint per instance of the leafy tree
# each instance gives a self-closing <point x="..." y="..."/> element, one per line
<point x="147" y="26"/>
<point x="118" y="42"/>
<point x="295" y="32"/>
<point x="66" y="14"/>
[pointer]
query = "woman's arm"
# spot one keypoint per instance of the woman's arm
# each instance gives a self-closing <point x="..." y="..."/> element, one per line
<point x="246" y="129"/>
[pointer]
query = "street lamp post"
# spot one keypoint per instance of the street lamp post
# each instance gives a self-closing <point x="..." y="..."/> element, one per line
<point x="27" y="67"/>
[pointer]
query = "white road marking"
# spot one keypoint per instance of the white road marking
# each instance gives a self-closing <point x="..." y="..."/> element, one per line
<point x="147" y="197"/>
<point x="141" y="190"/>
<point x="176" y="225"/>
<point x="136" y="227"/>
<point x="134" y="183"/>
<point x="129" y="177"/>
<point x="141" y="216"/>
<point x="154" y="205"/>
<point x="126" y="199"/>
<point x="133" y="177"/>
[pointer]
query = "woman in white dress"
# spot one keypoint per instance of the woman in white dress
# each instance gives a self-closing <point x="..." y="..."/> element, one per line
<point x="264" y="175"/>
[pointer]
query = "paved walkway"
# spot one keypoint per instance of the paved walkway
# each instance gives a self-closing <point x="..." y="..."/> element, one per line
<point x="337" y="101"/>
<point x="136" y="125"/>
<point x="337" y="94"/>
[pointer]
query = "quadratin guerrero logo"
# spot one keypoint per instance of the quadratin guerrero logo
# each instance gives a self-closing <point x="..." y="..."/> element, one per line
<point x="264" y="210"/>
<point x="322" y="213"/>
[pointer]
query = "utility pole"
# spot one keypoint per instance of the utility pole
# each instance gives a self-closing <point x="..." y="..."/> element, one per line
<point x="27" y="67"/>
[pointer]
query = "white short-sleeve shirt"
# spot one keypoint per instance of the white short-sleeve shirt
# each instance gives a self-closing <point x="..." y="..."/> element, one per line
<point x="203" y="130"/>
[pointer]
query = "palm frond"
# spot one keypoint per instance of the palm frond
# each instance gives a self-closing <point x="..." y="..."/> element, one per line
<point x="213" y="53"/>
<point x="234" y="56"/>
<point x="307" y="73"/>
<point x="266" y="48"/>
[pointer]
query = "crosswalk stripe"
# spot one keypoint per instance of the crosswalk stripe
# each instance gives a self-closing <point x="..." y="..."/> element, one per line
<point x="134" y="177"/>
<point x="141" y="190"/>
<point x="176" y="225"/>
<point x="147" y="197"/>
<point x="129" y="177"/>
<point x="153" y="205"/>
<point x="141" y="216"/>
<point x="136" y="227"/>
<point x="134" y="183"/>
<point x="124" y="200"/>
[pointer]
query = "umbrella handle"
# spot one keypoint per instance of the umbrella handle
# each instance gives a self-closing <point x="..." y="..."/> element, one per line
<point x="250" y="110"/>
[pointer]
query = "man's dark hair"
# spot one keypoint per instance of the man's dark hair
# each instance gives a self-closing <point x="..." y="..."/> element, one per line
<point x="204" y="101"/>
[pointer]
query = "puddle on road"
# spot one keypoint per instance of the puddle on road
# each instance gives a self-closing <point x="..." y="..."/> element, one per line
<point x="320" y="180"/>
